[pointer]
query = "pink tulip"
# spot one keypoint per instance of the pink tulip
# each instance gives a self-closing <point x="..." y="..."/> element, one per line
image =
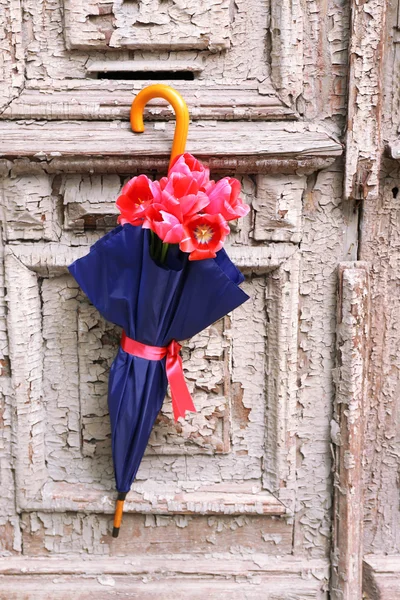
<point x="166" y="225"/>
<point x="224" y="199"/>
<point x="135" y="199"/>
<point x="186" y="164"/>
<point x="181" y="196"/>
<point x="204" y="236"/>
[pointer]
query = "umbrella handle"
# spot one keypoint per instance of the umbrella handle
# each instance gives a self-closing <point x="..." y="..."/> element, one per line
<point x="160" y="90"/>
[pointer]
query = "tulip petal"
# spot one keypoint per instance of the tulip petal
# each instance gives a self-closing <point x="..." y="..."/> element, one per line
<point x="201" y="254"/>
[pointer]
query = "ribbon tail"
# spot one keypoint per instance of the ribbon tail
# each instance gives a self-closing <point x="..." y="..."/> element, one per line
<point x="181" y="398"/>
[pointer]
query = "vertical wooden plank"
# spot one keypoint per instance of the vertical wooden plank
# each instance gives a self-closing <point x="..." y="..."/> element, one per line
<point x="10" y="533"/>
<point x="12" y="59"/>
<point x="347" y="428"/>
<point x="24" y="324"/>
<point x="364" y="135"/>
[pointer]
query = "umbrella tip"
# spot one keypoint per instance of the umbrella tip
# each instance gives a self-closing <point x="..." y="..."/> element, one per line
<point x="119" y="507"/>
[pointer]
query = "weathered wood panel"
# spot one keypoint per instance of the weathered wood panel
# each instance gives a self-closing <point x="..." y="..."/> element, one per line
<point x="379" y="246"/>
<point x="148" y="24"/>
<point x="381" y="577"/>
<point x="266" y="450"/>
<point x="348" y="429"/>
<point x="65" y="441"/>
<point x="321" y="245"/>
<point x="364" y="141"/>
<point x="97" y="99"/>
<point x="82" y="139"/>
<point x="55" y="533"/>
<point x="259" y="576"/>
<point x="12" y="57"/>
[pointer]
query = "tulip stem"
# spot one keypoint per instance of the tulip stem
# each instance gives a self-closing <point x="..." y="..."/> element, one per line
<point x="164" y="252"/>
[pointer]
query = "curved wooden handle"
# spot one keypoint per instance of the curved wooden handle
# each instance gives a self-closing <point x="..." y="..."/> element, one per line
<point x="160" y="90"/>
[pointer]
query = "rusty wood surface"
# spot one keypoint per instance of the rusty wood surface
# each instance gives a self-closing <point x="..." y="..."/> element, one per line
<point x="348" y="429"/>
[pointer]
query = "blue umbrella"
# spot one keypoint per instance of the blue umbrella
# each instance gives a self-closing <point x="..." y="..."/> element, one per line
<point x="156" y="305"/>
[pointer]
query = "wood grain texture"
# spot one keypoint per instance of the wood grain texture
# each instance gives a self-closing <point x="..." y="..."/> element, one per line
<point x="321" y="246"/>
<point x="97" y="99"/>
<point x="10" y="538"/>
<point x="381" y="577"/>
<point x="364" y="140"/>
<point x="12" y="61"/>
<point x="258" y="576"/>
<point x="46" y="533"/>
<point x="183" y="490"/>
<point x="83" y="139"/>
<point x="348" y="429"/>
<point x="150" y="24"/>
<point x="258" y="487"/>
<point x="379" y="246"/>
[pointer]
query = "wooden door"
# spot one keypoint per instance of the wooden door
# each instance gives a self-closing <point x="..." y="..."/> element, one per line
<point x="236" y="501"/>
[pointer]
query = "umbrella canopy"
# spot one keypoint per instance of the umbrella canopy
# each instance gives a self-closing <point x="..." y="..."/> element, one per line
<point x="154" y="304"/>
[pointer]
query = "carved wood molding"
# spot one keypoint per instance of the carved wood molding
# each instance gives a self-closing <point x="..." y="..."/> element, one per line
<point x="12" y="67"/>
<point x="151" y="577"/>
<point x="244" y="147"/>
<point x="110" y="100"/>
<point x="348" y="429"/>
<point x="211" y="31"/>
<point x="155" y="25"/>
<point x="381" y="576"/>
<point x="28" y="267"/>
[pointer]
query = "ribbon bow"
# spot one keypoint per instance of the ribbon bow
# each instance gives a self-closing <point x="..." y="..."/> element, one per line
<point x="181" y="398"/>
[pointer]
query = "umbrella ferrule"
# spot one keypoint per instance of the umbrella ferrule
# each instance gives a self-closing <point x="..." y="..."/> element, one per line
<point x="119" y="509"/>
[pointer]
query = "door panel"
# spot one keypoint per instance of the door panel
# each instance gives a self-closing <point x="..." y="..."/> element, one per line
<point x="235" y="500"/>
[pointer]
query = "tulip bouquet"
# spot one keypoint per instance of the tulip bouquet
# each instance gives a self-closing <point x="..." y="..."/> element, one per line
<point x="185" y="208"/>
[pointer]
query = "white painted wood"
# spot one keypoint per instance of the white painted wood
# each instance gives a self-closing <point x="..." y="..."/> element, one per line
<point x="132" y="66"/>
<point x="65" y="414"/>
<point x="156" y="497"/>
<point x="278" y="208"/>
<point x="25" y="354"/>
<point x="381" y="577"/>
<point x="286" y="30"/>
<point x="147" y="24"/>
<point x="348" y="428"/>
<point x="267" y="450"/>
<point x="260" y="577"/>
<point x="12" y="61"/>
<point x="364" y="142"/>
<point x="88" y="99"/>
<point x="235" y="42"/>
<point x="82" y="139"/>
<point x="52" y="258"/>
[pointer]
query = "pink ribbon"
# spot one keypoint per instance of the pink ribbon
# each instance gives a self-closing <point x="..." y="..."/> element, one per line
<point x="181" y="398"/>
